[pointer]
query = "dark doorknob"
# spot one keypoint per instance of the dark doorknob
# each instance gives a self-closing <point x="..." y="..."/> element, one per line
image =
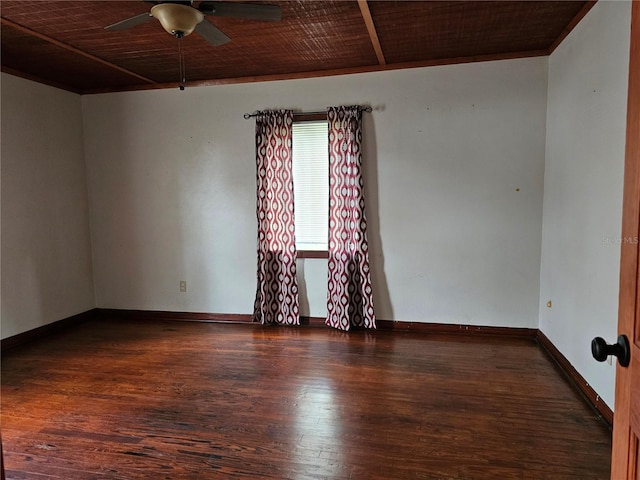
<point x="601" y="350"/>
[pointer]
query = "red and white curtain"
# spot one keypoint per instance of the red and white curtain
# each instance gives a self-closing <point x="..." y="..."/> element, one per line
<point x="277" y="292"/>
<point x="349" y="297"/>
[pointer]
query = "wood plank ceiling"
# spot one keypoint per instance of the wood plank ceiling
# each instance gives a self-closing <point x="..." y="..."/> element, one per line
<point x="64" y="43"/>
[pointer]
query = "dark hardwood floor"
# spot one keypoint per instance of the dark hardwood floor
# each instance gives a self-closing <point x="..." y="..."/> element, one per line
<point x="180" y="400"/>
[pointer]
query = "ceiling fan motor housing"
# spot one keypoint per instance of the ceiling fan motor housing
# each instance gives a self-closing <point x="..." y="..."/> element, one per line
<point x="177" y="19"/>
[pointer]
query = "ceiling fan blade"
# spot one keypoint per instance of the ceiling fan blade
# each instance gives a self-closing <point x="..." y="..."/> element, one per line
<point x="211" y="33"/>
<point x="271" y="13"/>
<point x="130" y="22"/>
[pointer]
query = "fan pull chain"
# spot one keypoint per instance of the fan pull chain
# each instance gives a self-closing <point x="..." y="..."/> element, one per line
<point x="183" y="74"/>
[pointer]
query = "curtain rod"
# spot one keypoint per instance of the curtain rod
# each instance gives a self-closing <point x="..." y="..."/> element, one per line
<point x="255" y="114"/>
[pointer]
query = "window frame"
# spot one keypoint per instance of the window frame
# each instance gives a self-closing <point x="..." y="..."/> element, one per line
<point x="312" y="117"/>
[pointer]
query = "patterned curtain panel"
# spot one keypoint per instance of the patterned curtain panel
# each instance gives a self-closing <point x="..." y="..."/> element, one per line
<point x="277" y="292"/>
<point x="349" y="302"/>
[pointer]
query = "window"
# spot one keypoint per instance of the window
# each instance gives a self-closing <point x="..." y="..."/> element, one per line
<point x="311" y="185"/>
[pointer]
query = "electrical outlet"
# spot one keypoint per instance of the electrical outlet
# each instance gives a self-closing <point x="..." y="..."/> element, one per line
<point x="183" y="286"/>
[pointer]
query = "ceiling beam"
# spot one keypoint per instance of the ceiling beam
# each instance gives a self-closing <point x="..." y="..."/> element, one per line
<point x="581" y="14"/>
<point x="71" y="49"/>
<point x="371" y="28"/>
<point x="37" y="79"/>
<point x="328" y="73"/>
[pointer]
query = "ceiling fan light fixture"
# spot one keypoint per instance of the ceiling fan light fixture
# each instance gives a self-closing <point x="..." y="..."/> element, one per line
<point x="178" y="20"/>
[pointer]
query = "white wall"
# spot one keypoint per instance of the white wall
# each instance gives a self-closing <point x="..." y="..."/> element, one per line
<point x="586" y="119"/>
<point x="454" y="171"/>
<point x="46" y="252"/>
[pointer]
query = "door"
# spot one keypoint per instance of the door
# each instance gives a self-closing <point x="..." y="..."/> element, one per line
<point x="626" y="425"/>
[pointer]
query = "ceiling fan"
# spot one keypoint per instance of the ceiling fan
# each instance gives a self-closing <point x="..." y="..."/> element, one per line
<point x="180" y="18"/>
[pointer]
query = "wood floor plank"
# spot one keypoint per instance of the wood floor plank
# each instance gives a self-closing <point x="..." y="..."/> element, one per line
<point x="161" y="399"/>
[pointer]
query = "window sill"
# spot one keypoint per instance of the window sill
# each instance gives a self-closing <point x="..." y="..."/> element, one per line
<point x="313" y="254"/>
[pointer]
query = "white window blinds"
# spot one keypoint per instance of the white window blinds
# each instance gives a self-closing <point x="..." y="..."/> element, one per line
<point x="311" y="184"/>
